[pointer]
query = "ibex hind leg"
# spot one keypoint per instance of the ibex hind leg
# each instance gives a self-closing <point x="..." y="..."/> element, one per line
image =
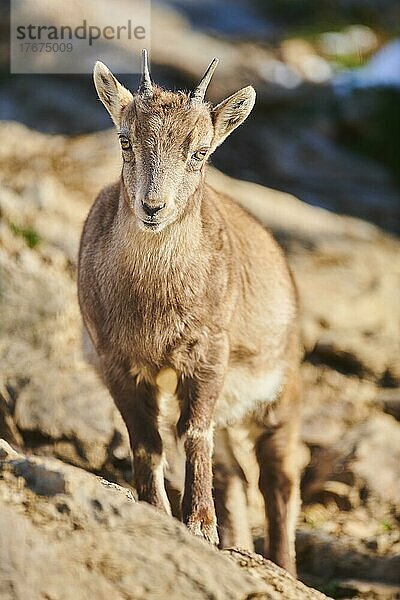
<point x="230" y="495"/>
<point x="278" y="458"/>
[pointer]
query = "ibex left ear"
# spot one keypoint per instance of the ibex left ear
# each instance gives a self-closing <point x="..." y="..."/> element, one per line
<point x="231" y="113"/>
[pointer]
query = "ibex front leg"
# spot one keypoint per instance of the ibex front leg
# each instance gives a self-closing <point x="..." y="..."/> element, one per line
<point x="198" y="395"/>
<point x="137" y="403"/>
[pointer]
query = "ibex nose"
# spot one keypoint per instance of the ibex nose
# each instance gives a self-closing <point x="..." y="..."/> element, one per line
<point x="151" y="210"/>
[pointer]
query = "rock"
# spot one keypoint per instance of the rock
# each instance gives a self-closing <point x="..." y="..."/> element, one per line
<point x="50" y="394"/>
<point x="389" y="401"/>
<point x="56" y="396"/>
<point x="366" y="590"/>
<point x="324" y="555"/>
<point x="68" y="534"/>
<point x="373" y="455"/>
<point x="277" y="583"/>
<point x="362" y="465"/>
<point x="333" y="403"/>
<point x="8" y="429"/>
<point x="7" y="452"/>
<point x="284" y="153"/>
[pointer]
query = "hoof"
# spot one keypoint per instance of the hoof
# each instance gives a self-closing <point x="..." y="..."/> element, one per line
<point x="207" y="531"/>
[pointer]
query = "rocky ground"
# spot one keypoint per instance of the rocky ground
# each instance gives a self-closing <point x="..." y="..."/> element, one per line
<point x="52" y="405"/>
<point x="97" y="542"/>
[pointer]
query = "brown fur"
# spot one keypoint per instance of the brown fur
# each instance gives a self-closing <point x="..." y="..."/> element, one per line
<point x="205" y="292"/>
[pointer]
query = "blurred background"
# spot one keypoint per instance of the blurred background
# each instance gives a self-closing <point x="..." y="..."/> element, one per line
<point x="326" y="124"/>
<point x="325" y="129"/>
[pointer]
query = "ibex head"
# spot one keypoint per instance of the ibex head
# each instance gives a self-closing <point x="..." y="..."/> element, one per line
<point x="166" y="138"/>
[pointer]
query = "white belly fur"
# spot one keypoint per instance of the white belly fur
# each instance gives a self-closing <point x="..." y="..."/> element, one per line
<point x="241" y="395"/>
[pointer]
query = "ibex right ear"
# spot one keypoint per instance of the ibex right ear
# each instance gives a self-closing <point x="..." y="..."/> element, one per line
<point x="112" y="94"/>
<point x="231" y="113"/>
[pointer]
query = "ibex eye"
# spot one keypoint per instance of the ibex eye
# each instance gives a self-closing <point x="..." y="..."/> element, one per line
<point x="125" y="143"/>
<point x="199" y="155"/>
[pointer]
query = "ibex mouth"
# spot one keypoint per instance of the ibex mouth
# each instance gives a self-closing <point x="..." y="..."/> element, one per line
<point x="152" y="225"/>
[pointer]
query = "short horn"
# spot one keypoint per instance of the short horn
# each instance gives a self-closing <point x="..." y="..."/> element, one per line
<point x="198" y="94"/>
<point x="145" y="86"/>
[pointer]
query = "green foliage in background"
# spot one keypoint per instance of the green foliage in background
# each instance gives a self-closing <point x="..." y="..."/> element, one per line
<point x="30" y="236"/>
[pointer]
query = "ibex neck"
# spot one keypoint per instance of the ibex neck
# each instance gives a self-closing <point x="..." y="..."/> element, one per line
<point x="176" y="246"/>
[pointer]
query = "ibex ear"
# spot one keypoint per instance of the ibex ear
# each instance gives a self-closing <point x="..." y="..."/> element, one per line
<point x="112" y="94"/>
<point x="231" y="113"/>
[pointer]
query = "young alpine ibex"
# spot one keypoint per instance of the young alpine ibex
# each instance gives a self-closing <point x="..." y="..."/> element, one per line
<point x="179" y="284"/>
